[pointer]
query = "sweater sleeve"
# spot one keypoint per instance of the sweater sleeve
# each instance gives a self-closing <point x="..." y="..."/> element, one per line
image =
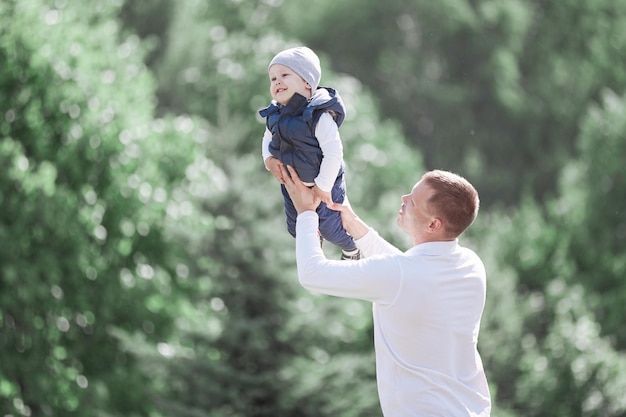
<point x="377" y="279"/>
<point x="265" y="146"/>
<point x="373" y="244"/>
<point x="327" y="134"/>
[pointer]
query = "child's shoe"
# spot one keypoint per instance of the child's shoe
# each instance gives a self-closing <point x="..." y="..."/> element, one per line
<point x="354" y="255"/>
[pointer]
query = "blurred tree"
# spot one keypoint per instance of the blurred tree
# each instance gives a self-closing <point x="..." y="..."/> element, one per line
<point x="571" y="370"/>
<point x="541" y="337"/>
<point x="230" y="341"/>
<point x="591" y="209"/>
<point x="199" y="214"/>
<point x="85" y="181"/>
<point x="241" y="337"/>
<point x="494" y="89"/>
<point x="214" y="62"/>
<point x="254" y="342"/>
<point x="150" y="20"/>
<point x="568" y="263"/>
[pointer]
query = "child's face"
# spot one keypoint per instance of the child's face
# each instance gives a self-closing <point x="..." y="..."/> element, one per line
<point x="284" y="82"/>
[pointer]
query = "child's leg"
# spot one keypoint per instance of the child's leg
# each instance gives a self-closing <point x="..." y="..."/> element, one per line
<point x="331" y="227"/>
<point x="290" y="212"/>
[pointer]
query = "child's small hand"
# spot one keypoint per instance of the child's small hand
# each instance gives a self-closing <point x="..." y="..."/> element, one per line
<point x="274" y="165"/>
<point x="323" y="195"/>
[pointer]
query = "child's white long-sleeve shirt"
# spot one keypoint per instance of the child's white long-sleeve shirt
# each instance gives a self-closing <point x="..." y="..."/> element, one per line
<point x="327" y="134"/>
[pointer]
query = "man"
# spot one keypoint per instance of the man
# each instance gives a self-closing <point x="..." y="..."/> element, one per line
<point x="427" y="301"/>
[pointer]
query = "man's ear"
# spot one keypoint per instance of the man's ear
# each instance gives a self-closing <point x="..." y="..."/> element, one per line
<point x="435" y="225"/>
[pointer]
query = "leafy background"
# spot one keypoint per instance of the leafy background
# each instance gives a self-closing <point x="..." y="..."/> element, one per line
<point x="144" y="265"/>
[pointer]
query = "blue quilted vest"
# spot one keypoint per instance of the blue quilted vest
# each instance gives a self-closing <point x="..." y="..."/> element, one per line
<point x="293" y="129"/>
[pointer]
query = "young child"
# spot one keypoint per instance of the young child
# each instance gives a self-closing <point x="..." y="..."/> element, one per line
<point x="302" y="130"/>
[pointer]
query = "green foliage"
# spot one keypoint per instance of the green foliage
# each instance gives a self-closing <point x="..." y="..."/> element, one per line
<point x="264" y="331"/>
<point x="567" y="259"/>
<point x="494" y="89"/>
<point x="246" y="325"/>
<point x="571" y="371"/>
<point x="352" y="376"/>
<point x="146" y="268"/>
<point x="592" y="196"/>
<point x="215" y="62"/>
<point x="149" y="20"/>
<point x="82" y="202"/>
<point x="544" y="352"/>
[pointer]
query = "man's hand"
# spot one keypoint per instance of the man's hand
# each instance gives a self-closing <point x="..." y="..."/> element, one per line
<point x="274" y="165"/>
<point x="351" y="222"/>
<point x="303" y="197"/>
<point x="325" y="196"/>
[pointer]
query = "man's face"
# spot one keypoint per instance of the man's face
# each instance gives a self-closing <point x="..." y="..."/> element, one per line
<point x="414" y="216"/>
<point x="284" y="82"/>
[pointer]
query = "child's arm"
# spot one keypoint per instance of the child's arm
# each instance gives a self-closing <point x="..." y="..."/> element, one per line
<point x="271" y="163"/>
<point x="327" y="134"/>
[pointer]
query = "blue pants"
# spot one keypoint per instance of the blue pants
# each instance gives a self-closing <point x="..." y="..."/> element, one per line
<point x="331" y="227"/>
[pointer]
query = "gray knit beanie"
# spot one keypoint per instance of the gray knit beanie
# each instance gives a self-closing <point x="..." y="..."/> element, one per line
<point x="303" y="62"/>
